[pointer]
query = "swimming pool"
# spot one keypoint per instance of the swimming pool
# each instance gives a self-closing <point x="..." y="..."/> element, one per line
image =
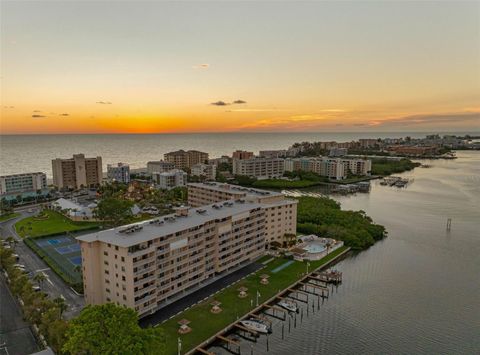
<point x="314" y="248"/>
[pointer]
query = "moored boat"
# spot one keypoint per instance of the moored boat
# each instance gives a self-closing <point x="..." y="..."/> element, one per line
<point x="257" y="326"/>
<point x="289" y="306"/>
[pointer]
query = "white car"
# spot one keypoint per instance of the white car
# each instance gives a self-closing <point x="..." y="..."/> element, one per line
<point x="19" y="266"/>
<point x="36" y="288"/>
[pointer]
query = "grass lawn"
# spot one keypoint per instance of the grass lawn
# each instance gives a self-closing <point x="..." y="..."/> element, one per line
<point x="6" y="217"/>
<point x="53" y="223"/>
<point x="205" y="324"/>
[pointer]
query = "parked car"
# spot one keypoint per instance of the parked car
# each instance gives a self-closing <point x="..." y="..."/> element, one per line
<point x="36" y="288"/>
<point x="17" y="258"/>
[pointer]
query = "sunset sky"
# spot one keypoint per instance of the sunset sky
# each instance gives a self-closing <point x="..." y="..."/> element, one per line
<point x="142" y="67"/>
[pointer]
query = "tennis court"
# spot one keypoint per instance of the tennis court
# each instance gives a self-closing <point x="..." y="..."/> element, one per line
<point x="63" y="251"/>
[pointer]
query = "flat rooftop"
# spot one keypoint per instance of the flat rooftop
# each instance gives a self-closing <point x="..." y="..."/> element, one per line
<point x="235" y="189"/>
<point x="171" y="224"/>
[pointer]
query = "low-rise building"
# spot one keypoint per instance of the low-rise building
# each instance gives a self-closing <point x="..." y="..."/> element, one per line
<point x="207" y="171"/>
<point x="119" y="173"/>
<point x="170" y="179"/>
<point x="77" y="172"/>
<point x="23" y="184"/>
<point x="260" y="168"/>
<point x="146" y="265"/>
<point x="280" y="212"/>
<point x="159" y="166"/>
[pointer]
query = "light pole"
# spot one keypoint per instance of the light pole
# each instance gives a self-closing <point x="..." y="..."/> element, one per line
<point x="179" y="345"/>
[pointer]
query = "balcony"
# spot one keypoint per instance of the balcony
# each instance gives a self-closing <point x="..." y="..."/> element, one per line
<point x="144" y="280"/>
<point x="141" y="252"/>
<point x="145" y="299"/>
<point x="142" y="271"/>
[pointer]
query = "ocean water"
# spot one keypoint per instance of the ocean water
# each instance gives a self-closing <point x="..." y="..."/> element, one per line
<point x="415" y="292"/>
<point x="28" y="153"/>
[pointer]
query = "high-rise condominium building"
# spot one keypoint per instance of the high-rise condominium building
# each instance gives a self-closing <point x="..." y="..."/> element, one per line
<point x="170" y="179"/>
<point x="119" y="173"/>
<point x="159" y="166"/>
<point x="186" y="159"/>
<point x="19" y="184"/>
<point x="146" y="265"/>
<point x="77" y="172"/>
<point x="260" y="168"/>
<point x="280" y="212"/>
<point x="242" y="154"/>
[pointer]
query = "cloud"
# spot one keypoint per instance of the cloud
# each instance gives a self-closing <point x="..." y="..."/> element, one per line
<point x="38" y="116"/>
<point x="104" y="102"/>
<point x="239" y="102"/>
<point x="64" y="114"/>
<point x="202" y="66"/>
<point x="415" y="120"/>
<point x="220" y="103"/>
<point x="37" y="111"/>
<point x="8" y="106"/>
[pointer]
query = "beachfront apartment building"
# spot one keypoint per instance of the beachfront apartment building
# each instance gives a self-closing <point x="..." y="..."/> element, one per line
<point x="119" y="173"/>
<point x="159" y="166"/>
<point x="147" y="265"/>
<point x="207" y="171"/>
<point x="182" y="159"/>
<point x="280" y="212"/>
<point x="77" y="172"/>
<point x="170" y="179"/>
<point x="260" y="168"/>
<point x="21" y="184"/>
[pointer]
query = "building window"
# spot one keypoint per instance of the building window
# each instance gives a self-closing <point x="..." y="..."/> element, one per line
<point x="123" y="259"/>
<point x="105" y="253"/>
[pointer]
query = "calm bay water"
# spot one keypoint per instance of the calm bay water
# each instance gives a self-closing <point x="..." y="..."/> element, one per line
<point x="417" y="291"/>
<point x="27" y="153"/>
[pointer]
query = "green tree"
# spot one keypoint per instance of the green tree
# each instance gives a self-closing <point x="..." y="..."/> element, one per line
<point x="39" y="278"/>
<point x="109" y="329"/>
<point x="60" y="304"/>
<point x="114" y="212"/>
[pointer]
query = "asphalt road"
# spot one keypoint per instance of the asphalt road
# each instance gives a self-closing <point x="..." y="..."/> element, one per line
<point x="16" y="337"/>
<point x="175" y="307"/>
<point x="54" y="286"/>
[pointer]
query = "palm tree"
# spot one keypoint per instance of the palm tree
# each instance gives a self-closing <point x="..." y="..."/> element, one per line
<point x="11" y="240"/>
<point x="60" y="303"/>
<point x="39" y="278"/>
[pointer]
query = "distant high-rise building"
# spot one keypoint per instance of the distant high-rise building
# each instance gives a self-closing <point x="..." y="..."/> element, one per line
<point x="281" y="153"/>
<point x="242" y="154"/>
<point x="77" y="172"/>
<point x="208" y="171"/>
<point x="119" y="173"/>
<point x="170" y="179"/>
<point x="186" y="159"/>
<point x="260" y="168"/>
<point x="159" y="166"/>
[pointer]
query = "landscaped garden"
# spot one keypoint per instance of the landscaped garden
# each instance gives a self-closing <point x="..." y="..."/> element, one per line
<point x="50" y="223"/>
<point x="205" y="324"/>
